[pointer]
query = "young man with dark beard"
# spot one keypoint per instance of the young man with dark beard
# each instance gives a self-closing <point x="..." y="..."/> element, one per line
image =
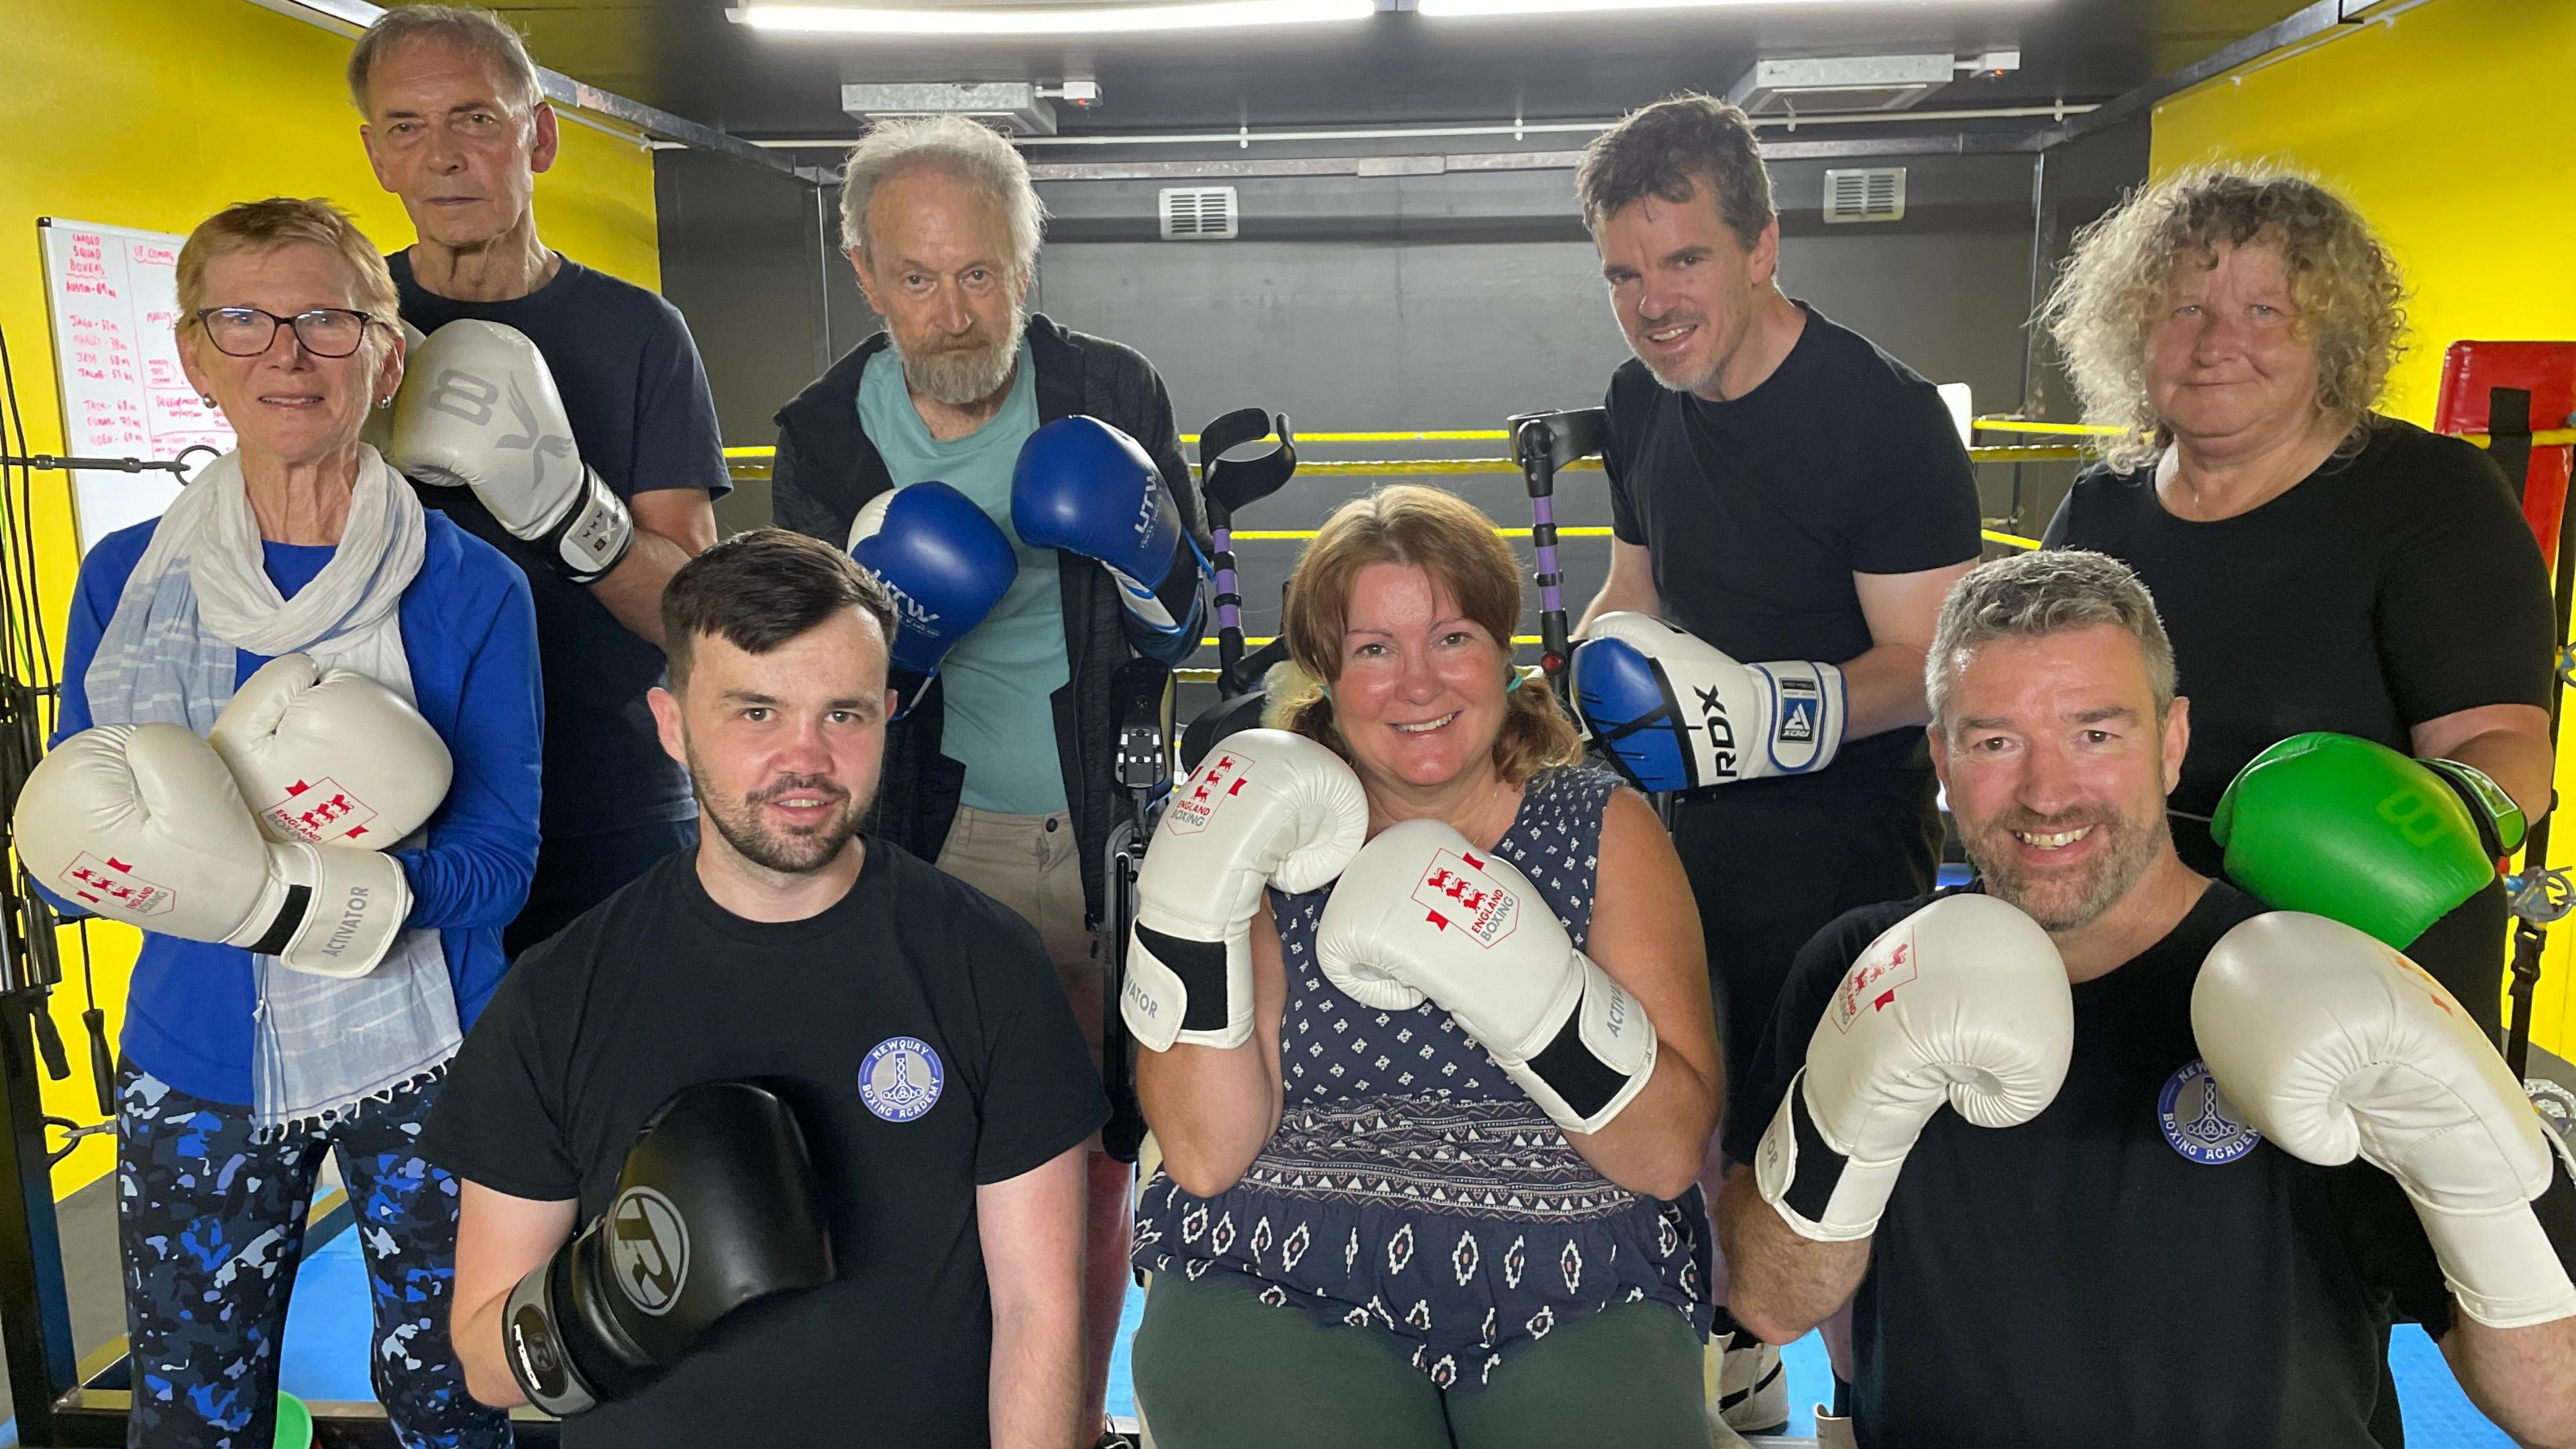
<point x="909" y="1025"/>
<point x="2146" y="1195"/>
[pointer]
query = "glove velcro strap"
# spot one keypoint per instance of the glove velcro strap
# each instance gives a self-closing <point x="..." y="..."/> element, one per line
<point x="353" y="912"/>
<point x="2499" y="820"/>
<point x="2501" y="1266"/>
<point x="1820" y="1192"/>
<point x="533" y="1340"/>
<point x="593" y="535"/>
<point x="1598" y="1059"/>
<point x="1192" y="985"/>
<point x="2508" y="1268"/>
<point x="282" y="929"/>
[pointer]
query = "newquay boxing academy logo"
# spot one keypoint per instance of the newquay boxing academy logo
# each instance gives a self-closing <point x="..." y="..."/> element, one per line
<point x="111" y="884"/>
<point x="321" y="813"/>
<point x="1218" y="780"/>
<point x="2197" y="1119"/>
<point x="1456" y="892"/>
<point x="648" y="1249"/>
<point x="901" y="1079"/>
<point x="1873" y="981"/>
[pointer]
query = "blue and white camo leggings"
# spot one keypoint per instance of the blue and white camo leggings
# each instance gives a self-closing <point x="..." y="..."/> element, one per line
<point x="210" y="1225"/>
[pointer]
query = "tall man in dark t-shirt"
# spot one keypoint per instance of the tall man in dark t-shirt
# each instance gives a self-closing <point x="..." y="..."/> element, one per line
<point x="911" y="1026"/>
<point x="1784" y="493"/>
<point x="459" y="128"/>
<point x="2146" y="1197"/>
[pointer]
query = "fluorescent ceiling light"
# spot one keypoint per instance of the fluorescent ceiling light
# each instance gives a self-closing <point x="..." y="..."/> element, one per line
<point x="1047" y="20"/>
<point x="1596" y="8"/>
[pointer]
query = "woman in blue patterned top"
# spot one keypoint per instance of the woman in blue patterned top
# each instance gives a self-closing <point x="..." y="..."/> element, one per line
<point x="1431" y="1183"/>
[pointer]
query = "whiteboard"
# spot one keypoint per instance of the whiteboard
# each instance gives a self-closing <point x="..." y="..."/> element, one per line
<point x="114" y="295"/>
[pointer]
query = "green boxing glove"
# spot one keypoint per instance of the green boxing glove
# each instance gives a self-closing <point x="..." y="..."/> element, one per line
<point x="2358" y="833"/>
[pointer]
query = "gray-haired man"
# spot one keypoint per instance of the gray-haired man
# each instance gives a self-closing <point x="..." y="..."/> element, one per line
<point x="2146" y="1070"/>
<point x="1001" y="770"/>
<point x="458" y="127"/>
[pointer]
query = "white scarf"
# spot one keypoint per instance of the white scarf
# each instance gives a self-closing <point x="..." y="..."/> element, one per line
<point x="199" y="593"/>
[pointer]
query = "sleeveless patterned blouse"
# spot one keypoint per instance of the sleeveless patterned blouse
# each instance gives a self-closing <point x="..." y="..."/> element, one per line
<point x="1411" y="1185"/>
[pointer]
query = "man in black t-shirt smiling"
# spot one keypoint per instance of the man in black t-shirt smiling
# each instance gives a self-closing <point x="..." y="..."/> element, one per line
<point x="458" y="126"/>
<point x="911" y="1027"/>
<point x="2146" y="1070"/>
<point x="1788" y="497"/>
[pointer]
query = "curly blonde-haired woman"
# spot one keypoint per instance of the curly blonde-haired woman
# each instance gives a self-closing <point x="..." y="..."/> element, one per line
<point x="1364" y="1231"/>
<point x="2320" y="566"/>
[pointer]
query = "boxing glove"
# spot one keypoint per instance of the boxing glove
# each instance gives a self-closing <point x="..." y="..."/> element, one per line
<point x="1963" y="1002"/>
<point x="330" y="757"/>
<point x="1265" y="807"/>
<point x="143" y="824"/>
<point x="946" y="562"/>
<point x="1083" y="486"/>
<point x="2334" y="1045"/>
<point x="1677" y="714"/>
<point x="2353" y="831"/>
<point x="1422" y="913"/>
<point x="378" y="430"/>
<point x="716" y="1206"/>
<point x="478" y="409"/>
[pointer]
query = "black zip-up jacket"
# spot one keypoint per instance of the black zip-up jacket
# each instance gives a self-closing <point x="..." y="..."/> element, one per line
<point x="827" y="470"/>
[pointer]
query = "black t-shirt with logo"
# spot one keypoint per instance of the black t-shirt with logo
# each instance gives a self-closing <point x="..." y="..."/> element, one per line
<point x="2134" y="1266"/>
<point x="645" y="418"/>
<point x="1758" y="511"/>
<point x="922" y="1041"/>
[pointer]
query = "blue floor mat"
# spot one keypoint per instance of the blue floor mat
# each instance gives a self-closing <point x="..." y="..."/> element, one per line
<point x="329" y="1330"/>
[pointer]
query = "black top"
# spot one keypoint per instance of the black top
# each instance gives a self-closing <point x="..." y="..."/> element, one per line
<point x="1760" y="509"/>
<point x="631" y="381"/>
<point x="2382" y="591"/>
<point x="2132" y="1267"/>
<point x="826" y="471"/>
<point x="657" y="989"/>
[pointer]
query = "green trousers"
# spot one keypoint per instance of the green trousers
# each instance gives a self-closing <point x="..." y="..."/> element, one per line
<point x="1216" y="1368"/>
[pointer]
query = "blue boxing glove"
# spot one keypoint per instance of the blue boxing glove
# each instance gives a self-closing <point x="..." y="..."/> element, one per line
<point x="1087" y="488"/>
<point x="946" y="562"/>
<point x="1677" y="714"/>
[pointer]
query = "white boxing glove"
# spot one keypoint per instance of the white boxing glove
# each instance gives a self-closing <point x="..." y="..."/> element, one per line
<point x="1421" y="912"/>
<point x="1964" y="1002"/>
<point x="1679" y="714"/>
<point x="143" y="824"/>
<point x="2333" y="1045"/>
<point x="478" y="409"/>
<point x="1265" y="807"/>
<point x="330" y="757"/>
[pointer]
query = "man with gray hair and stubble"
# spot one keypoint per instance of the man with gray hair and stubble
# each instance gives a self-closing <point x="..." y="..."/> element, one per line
<point x="1019" y="488"/>
<point x="2145" y="1196"/>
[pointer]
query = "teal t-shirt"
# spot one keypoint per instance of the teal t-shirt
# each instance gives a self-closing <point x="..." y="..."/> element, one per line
<point x="1000" y="678"/>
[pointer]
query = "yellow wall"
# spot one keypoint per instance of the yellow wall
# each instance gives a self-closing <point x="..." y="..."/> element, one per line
<point x="153" y="114"/>
<point x="2447" y="126"/>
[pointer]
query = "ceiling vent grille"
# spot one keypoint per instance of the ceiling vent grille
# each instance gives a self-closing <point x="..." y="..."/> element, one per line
<point x="1198" y="213"/>
<point x="1874" y="193"/>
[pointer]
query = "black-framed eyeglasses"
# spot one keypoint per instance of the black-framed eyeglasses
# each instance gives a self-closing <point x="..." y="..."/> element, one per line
<point x="248" y="331"/>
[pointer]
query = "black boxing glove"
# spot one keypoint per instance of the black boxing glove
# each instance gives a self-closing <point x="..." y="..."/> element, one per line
<point x="716" y="1206"/>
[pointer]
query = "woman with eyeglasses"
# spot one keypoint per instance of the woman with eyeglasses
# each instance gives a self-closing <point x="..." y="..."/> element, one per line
<point x="246" y="1063"/>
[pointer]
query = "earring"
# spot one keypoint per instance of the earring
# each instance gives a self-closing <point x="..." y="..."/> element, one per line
<point x="385" y="402"/>
<point x="207" y="398"/>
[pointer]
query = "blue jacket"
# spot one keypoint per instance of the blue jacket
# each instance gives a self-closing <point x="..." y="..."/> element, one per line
<point x="471" y="634"/>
